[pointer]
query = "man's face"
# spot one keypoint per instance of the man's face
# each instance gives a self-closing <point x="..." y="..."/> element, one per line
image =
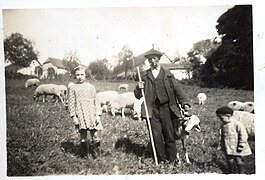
<point x="153" y="61"/>
<point x="80" y="75"/>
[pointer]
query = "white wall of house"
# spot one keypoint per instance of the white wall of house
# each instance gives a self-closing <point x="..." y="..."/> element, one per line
<point x="45" y="68"/>
<point x="29" y="70"/>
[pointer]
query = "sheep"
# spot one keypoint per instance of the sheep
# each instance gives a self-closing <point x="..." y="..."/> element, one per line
<point x="123" y="86"/>
<point x="248" y="107"/>
<point x="63" y="90"/>
<point x="32" y="82"/>
<point x="201" y="98"/>
<point x="47" y="89"/>
<point x="248" y="120"/>
<point x="183" y="129"/>
<point x="122" y="101"/>
<point x="104" y="98"/>
<point x="137" y="107"/>
<point x="236" y="105"/>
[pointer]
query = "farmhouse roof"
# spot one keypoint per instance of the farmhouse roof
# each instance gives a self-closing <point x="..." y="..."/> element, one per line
<point x="56" y="62"/>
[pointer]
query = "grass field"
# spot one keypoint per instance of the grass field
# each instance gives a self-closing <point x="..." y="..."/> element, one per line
<point x="41" y="139"/>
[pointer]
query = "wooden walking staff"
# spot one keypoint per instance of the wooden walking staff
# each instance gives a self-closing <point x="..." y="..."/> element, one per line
<point x="148" y="121"/>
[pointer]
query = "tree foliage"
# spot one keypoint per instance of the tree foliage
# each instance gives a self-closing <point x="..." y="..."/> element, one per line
<point x="201" y="49"/>
<point x="125" y="58"/>
<point x="19" y="50"/>
<point x="231" y="65"/>
<point x="99" y="69"/>
<point x="71" y="60"/>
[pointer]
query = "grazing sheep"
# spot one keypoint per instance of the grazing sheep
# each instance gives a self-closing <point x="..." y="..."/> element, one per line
<point x="47" y="89"/>
<point x="201" y="98"/>
<point x="236" y="105"/>
<point x="123" y="86"/>
<point x="248" y="107"/>
<point x="137" y="107"/>
<point x="122" y="101"/>
<point x="104" y="99"/>
<point x="32" y="82"/>
<point x="248" y="120"/>
<point x="183" y="130"/>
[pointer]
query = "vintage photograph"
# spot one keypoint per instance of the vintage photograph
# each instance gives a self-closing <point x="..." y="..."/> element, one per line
<point x="129" y="90"/>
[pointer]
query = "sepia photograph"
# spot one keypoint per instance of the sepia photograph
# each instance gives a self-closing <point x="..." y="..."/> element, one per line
<point x="120" y="90"/>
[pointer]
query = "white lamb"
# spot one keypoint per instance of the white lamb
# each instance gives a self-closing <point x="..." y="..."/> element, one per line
<point x="236" y="105"/>
<point x="248" y="107"/>
<point x="122" y="101"/>
<point x="104" y="99"/>
<point x="201" y="98"/>
<point x="248" y="120"/>
<point x="47" y="89"/>
<point x="32" y="82"/>
<point x="123" y="86"/>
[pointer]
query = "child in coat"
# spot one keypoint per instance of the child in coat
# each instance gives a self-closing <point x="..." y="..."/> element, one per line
<point x="85" y="111"/>
<point x="233" y="139"/>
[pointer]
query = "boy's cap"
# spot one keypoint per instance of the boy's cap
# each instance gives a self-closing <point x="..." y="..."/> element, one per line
<point x="225" y="110"/>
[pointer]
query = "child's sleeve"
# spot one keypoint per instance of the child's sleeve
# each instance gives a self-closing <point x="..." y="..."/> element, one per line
<point x="71" y="102"/>
<point x="242" y="137"/>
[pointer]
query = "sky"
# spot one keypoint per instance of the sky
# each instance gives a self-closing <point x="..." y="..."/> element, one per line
<point x="101" y="32"/>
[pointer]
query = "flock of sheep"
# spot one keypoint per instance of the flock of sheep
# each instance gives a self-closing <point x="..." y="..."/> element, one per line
<point x="114" y="102"/>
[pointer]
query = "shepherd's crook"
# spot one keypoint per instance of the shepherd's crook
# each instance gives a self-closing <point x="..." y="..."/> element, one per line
<point x="148" y="121"/>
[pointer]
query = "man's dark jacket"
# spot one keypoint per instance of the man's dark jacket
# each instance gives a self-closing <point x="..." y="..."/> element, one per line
<point x="174" y="92"/>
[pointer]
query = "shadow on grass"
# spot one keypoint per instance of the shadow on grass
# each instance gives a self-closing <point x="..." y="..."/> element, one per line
<point x="127" y="146"/>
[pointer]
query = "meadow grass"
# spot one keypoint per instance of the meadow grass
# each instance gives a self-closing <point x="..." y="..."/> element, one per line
<point x="41" y="139"/>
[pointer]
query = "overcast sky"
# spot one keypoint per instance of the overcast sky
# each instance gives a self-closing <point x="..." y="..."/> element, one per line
<point x="101" y="32"/>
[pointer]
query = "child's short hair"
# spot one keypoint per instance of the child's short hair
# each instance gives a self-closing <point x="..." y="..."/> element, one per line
<point x="224" y="110"/>
<point x="79" y="67"/>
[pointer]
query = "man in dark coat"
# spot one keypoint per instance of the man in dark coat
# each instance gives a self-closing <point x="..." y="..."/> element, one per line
<point x="165" y="100"/>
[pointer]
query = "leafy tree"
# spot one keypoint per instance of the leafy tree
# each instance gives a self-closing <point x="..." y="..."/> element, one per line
<point x="71" y="60"/>
<point x="99" y="69"/>
<point x="19" y="50"/>
<point x="125" y="57"/>
<point x="203" y="48"/>
<point x="231" y="65"/>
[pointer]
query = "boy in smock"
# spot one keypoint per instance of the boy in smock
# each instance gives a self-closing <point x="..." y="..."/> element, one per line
<point x="234" y="140"/>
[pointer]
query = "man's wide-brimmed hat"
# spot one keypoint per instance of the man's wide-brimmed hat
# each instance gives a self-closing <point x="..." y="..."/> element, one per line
<point x="153" y="53"/>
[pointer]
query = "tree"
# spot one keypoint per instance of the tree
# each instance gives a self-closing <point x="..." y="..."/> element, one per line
<point x="19" y="50"/>
<point x="231" y="65"/>
<point x="99" y="69"/>
<point x="125" y="57"/>
<point x="203" y="48"/>
<point x="71" y="60"/>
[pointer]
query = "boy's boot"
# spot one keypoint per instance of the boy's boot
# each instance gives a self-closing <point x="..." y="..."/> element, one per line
<point x="240" y="169"/>
<point x="231" y="167"/>
<point x="84" y="149"/>
<point x="96" y="150"/>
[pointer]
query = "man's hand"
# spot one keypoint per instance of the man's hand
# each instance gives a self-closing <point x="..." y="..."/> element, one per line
<point x="186" y="107"/>
<point x="141" y="84"/>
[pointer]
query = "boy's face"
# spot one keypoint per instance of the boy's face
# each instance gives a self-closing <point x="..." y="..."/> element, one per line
<point x="225" y="118"/>
<point x="80" y="75"/>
